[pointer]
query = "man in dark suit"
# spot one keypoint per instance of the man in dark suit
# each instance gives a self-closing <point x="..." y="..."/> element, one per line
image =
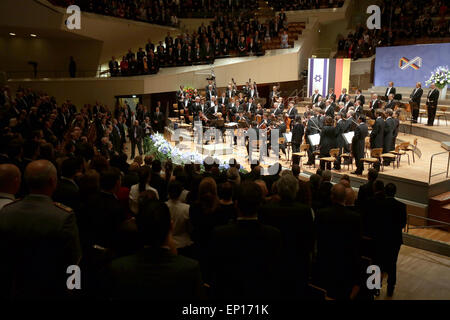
<point x="393" y="220"/>
<point x="274" y="94"/>
<point x="136" y="134"/>
<point x="338" y="247"/>
<point x="416" y="96"/>
<point x="329" y="109"/>
<point x="432" y="102"/>
<point x="67" y="190"/>
<point x="295" y="222"/>
<point x="210" y="92"/>
<point x="312" y="127"/>
<point x="278" y="109"/>
<point x="245" y="256"/>
<point x="158" y="120"/>
<point x="38" y="240"/>
<point x="359" y="96"/>
<point x="389" y="127"/>
<point x="389" y="90"/>
<point x="343" y="96"/>
<point x="341" y="126"/>
<point x="347" y="104"/>
<point x="365" y="191"/>
<point x="377" y="134"/>
<point x="292" y="111"/>
<point x="154" y="272"/>
<point x="315" y="96"/>
<point x="251" y="106"/>
<point x="374" y="104"/>
<point x="390" y="104"/>
<point x="331" y="95"/>
<point x="298" y="131"/>
<point x="358" y="144"/>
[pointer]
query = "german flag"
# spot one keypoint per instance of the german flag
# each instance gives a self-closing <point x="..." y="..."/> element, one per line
<point x="339" y="75"/>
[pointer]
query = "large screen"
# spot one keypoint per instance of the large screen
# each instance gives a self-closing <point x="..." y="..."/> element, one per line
<point x="407" y="65"/>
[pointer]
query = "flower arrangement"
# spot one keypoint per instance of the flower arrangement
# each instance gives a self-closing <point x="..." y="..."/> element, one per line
<point x="157" y="146"/>
<point x="188" y="91"/>
<point x="440" y="77"/>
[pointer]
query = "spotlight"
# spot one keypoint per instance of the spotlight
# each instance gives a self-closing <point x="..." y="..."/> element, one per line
<point x="33" y="35"/>
<point x="12" y="34"/>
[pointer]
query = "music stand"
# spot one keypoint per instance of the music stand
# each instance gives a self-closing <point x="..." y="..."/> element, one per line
<point x="314" y="139"/>
<point x="348" y="136"/>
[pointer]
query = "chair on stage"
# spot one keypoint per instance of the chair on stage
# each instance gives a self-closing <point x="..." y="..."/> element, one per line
<point x="303" y="153"/>
<point x="422" y="112"/>
<point x="375" y="157"/>
<point x="348" y="157"/>
<point x="441" y="114"/>
<point x="282" y="141"/>
<point x="398" y="154"/>
<point x="334" y="153"/>
<point x="389" y="156"/>
<point x="412" y="148"/>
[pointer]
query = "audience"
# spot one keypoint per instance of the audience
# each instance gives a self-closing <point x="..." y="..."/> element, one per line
<point x="153" y="230"/>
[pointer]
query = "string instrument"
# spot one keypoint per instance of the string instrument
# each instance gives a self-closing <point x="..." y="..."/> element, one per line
<point x="258" y="118"/>
<point x="287" y="121"/>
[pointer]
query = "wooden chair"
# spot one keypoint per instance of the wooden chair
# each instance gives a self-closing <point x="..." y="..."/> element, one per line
<point x="191" y="119"/>
<point x="412" y="148"/>
<point x="422" y="113"/>
<point x="349" y="157"/>
<point x="390" y="157"/>
<point x="303" y="153"/>
<point x="375" y="157"/>
<point x="441" y="114"/>
<point x="404" y="147"/>
<point x="334" y="153"/>
<point x="398" y="154"/>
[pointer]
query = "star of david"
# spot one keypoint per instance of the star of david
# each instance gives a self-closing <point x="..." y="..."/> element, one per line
<point x="317" y="78"/>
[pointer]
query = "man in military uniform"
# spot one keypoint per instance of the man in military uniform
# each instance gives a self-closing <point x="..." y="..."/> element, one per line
<point x="38" y="239"/>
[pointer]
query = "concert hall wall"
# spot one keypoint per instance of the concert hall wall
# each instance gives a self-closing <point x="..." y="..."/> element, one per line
<point x="407" y="65"/>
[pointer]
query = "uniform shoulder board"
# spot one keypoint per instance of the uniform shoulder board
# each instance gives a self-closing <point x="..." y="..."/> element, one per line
<point x="63" y="207"/>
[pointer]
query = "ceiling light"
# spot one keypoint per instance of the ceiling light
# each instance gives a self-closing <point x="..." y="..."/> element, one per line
<point x="33" y="35"/>
<point x="12" y="34"/>
<point x="134" y="96"/>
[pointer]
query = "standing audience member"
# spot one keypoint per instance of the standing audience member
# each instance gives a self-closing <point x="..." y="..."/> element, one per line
<point x="10" y="178"/>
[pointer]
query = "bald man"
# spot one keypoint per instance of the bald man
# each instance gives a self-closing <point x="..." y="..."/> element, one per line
<point x="338" y="237"/>
<point x="38" y="239"/>
<point x="9" y="183"/>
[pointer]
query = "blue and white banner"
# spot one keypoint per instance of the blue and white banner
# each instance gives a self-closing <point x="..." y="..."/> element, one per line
<point x="317" y="76"/>
<point x="407" y="65"/>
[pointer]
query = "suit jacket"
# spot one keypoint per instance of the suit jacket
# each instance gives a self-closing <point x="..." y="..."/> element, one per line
<point x="338" y="232"/>
<point x="389" y="127"/>
<point x="297" y="133"/>
<point x="154" y="274"/>
<point x="330" y="111"/>
<point x="313" y="126"/>
<point x="315" y="98"/>
<point x="295" y="221"/>
<point x="139" y="133"/>
<point x="373" y="105"/>
<point x="341" y="127"/>
<point x="252" y="248"/>
<point x="342" y="98"/>
<point x="358" y="141"/>
<point x="292" y="113"/>
<point x="328" y="140"/>
<point x="416" y="95"/>
<point x="252" y="107"/>
<point x="392" y="91"/>
<point x="432" y="98"/>
<point x="390" y="105"/>
<point x="360" y="98"/>
<point x="38" y="241"/>
<point x="347" y="106"/>
<point x="377" y="134"/>
<point x="331" y="96"/>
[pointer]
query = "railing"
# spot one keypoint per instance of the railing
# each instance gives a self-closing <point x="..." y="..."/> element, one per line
<point x="442" y="224"/>
<point x="43" y="74"/>
<point x="439" y="173"/>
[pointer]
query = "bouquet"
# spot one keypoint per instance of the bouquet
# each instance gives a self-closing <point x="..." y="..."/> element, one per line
<point x="440" y="77"/>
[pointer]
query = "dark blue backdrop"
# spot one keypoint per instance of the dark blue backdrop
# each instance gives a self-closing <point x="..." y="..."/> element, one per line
<point x="387" y="63"/>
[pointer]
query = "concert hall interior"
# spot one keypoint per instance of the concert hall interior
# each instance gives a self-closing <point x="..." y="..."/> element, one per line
<point x="201" y="150"/>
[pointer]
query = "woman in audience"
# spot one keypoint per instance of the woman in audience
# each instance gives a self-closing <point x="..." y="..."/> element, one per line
<point x="143" y="185"/>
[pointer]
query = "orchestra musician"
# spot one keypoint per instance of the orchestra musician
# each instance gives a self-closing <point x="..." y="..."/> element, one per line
<point x="223" y="101"/>
<point x="416" y="96"/>
<point x="277" y="109"/>
<point x="250" y="107"/>
<point x="292" y="111"/>
<point x="273" y="95"/>
<point x="232" y="109"/>
<point x="312" y="127"/>
<point x="358" y="109"/>
<point x="341" y="128"/>
<point x="359" y="97"/>
<point x="230" y="92"/>
<point x="259" y="110"/>
<point x="347" y="103"/>
<point x="320" y="103"/>
<point x="374" y="105"/>
<point x="328" y="141"/>
<point x="390" y="90"/>
<point x="331" y="95"/>
<point x="343" y="96"/>
<point x="358" y="144"/>
<point x="298" y="131"/>
<point x="329" y="109"/>
<point x="252" y="92"/>
<point x="432" y="102"/>
<point x="315" y="96"/>
<point x="377" y="134"/>
<point x="390" y="103"/>
<point x="389" y="127"/>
